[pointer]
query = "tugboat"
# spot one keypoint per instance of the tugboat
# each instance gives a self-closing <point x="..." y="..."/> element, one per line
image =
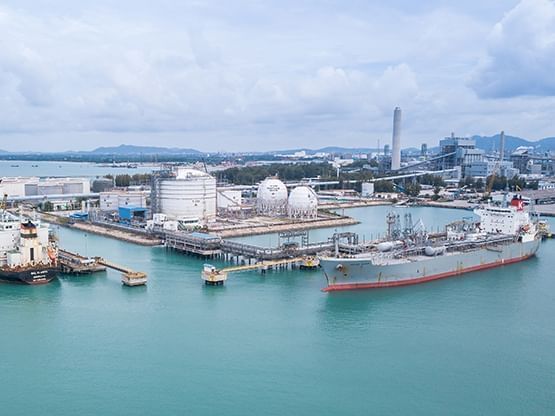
<point x="26" y="255"/>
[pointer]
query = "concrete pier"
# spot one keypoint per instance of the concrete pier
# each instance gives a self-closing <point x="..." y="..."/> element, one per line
<point x="74" y="263"/>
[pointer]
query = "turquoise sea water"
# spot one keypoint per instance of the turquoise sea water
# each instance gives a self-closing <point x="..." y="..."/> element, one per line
<point x="480" y="344"/>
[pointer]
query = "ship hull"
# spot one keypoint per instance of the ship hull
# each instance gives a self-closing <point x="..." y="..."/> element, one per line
<point x="362" y="273"/>
<point x="29" y="276"/>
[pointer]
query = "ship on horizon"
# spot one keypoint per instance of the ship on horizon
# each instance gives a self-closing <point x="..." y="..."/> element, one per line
<point x="505" y="233"/>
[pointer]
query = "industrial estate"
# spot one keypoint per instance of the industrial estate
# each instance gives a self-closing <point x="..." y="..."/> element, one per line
<point x="199" y="207"/>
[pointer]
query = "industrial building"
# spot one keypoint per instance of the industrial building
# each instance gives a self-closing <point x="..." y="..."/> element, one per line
<point x="458" y="151"/>
<point x="114" y="200"/>
<point x="487" y="168"/>
<point x="302" y="203"/>
<point x="271" y="198"/>
<point x="130" y="214"/>
<point x="527" y="162"/>
<point x="185" y="194"/>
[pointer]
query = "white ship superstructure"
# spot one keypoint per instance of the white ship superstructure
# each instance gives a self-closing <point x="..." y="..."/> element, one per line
<point x="26" y="255"/>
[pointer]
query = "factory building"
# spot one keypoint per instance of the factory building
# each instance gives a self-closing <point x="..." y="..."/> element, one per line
<point x="185" y="194"/>
<point x="485" y="168"/>
<point x="458" y="151"/>
<point x="271" y="198"/>
<point x="302" y="203"/>
<point x="114" y="200"/>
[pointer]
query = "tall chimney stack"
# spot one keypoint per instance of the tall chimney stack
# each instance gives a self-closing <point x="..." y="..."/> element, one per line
<point x="396" y="144"/>
<point x="502" y="146"/>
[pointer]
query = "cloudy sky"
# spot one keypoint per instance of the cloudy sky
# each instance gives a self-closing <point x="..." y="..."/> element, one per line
<point x="260" y="75"/>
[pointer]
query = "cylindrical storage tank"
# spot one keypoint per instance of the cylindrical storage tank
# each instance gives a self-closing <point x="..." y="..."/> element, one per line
<point x="191" y="194"/>
<point x="102" y="185"/>
<point x="271" y="198"/>
<point x="302" y="203"/>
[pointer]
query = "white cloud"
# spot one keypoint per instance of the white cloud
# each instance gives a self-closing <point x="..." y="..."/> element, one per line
<point x="258" y="75"/>
<point x="520" y="56"/>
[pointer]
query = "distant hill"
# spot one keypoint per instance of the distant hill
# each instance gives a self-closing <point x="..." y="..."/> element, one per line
<point x="489" y="143"/>
<point x="126" y="149"/>
<point x="329" y="149"/>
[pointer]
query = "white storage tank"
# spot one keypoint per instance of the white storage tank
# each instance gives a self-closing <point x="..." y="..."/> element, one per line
<point x="303" y="203"/>
<point x="15" y="187"/>
<point x="191" y="194"/>
<point x="271" y="198"/>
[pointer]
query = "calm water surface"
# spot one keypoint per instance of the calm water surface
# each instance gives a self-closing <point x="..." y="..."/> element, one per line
<point x="275" y="344"/>
<point x="53" y="169"/>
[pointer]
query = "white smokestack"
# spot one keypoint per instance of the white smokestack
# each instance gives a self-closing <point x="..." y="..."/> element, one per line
<point x="502" y="146"/>
<point x="396" y="145"/>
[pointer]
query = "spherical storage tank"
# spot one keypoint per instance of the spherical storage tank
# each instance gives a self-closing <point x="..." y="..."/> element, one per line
<point x="271" y="198"/>
<point x="303" y="203"/>
<point x="191" y="194"/>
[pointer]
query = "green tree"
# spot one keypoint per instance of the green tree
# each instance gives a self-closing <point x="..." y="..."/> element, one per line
<point x="435" y="196"/>
<point x="412" y="189"/>
<point x="123" y="180"/>
<point x="47" y="206"/>
<point x="383" y="186"/>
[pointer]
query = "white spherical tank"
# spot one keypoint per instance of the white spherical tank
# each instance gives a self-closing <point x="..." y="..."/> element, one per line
<point x="191" y="194"/>
<point x="303" y="203"/>
<point x="271" y="198"/>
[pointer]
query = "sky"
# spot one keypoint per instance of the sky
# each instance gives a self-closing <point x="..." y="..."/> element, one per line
<point x="269" y="75"/>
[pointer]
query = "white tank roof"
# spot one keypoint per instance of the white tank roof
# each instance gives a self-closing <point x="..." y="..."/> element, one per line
<point x="272" y="189"/>
<point x="188" y="173"/>
<point x="303" y="198"/>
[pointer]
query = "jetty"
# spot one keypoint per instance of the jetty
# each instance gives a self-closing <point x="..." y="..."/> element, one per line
<point x="74" y="263"/>
<point x="129" y="277"/>
<point x="212" y="246"/>
<point x="216" y="277"/>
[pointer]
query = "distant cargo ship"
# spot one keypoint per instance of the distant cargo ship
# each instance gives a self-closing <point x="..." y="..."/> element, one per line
<point x="26" y="255"/>
<point x="505" y="234"/>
